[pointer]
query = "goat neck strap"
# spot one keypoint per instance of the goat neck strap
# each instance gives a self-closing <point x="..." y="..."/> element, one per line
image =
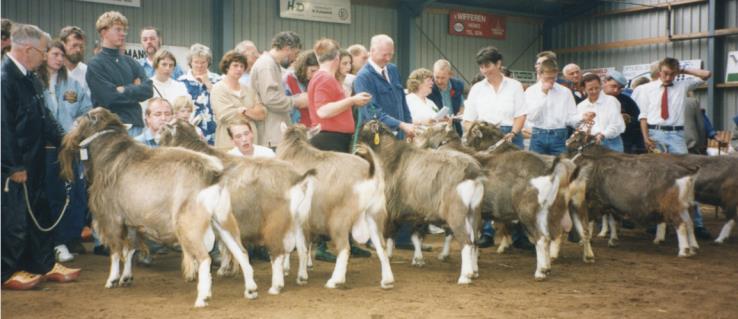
<point x="493" y="147"/>
<point x="92" y="137"/>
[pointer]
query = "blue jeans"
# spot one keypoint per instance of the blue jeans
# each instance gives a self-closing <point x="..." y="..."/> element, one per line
<point x="517" y="140"/>
<point x="697" y="217"/>
<point x="669" y="141"/>
<point x="549" y="142"/>
<point x="70" y="226"/>
<point x="615" y="144"/>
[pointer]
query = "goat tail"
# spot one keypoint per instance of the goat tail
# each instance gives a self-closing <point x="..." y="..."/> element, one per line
<point x="301" y="196"/>
<point x="375" y="165"/>
<point x="217" y="201"/>
<point x="471" y="192"/>
<point x="371" y="191"/>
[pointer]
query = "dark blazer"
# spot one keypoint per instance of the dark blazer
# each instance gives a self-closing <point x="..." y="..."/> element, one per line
<point x="27" y="125"/>
<point x="388" y="102"/>
<point x="457" y="92"/>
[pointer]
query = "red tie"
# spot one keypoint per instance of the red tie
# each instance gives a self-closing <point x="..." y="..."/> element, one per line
<point x="665" y="104"/>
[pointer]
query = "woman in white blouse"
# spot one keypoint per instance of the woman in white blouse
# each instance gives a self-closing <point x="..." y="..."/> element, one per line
<point x="419" y="86"/>
<point x="165" y="87"/>
<point x="604" y="110"/>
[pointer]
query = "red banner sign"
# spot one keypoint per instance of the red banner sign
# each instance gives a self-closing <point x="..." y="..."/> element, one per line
<point x="476" y="25"/>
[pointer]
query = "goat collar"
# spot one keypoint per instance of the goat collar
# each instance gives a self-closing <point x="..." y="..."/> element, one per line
<point x="493" y="147"/>
<point x="92" y="137"/>
<point x="580" y="150"/>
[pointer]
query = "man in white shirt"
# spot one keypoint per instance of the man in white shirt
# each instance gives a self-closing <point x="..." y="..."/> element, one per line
<point x="242" y="136"/>
<point x="74" y="44"/>
<point x="662" y="106"/>
<point x="496" y="99"/>
<point x="550" y="109"/>
<point x="608" y="122"/>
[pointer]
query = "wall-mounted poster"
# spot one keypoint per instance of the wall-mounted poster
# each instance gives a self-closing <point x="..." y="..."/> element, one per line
<point x="136" y="51"/>
<point x="474" y="24"/>
<point x="731" y="71"/>
<point x="335" y="11"/>
<point x="127" y="3"/>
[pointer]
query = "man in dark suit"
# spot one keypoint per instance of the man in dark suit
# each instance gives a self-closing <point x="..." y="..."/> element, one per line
<point x="447" y="91"/>
<point x="27" y="126"/>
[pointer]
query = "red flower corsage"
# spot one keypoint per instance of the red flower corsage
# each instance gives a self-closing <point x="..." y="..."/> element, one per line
<point x="453" y="92"/>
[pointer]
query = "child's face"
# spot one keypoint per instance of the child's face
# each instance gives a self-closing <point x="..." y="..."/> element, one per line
<point x="184" y="114"/>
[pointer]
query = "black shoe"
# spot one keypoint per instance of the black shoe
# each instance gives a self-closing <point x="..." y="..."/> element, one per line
<point x="101" y="251"/>
<point x="358" y="252"/>
<point x="524" y="244"/>
<point x="486" y="241"/>
<point x="76" y="247"/>
<point x="573" y="237"/>
<point x="410" y="246"/>
<point x="627" y="224"/>
<point x="322" y="253"/>
<point x="702" y="233"/>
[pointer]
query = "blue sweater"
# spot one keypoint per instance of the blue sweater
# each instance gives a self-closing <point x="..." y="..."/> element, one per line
<point x="110" y="69"/>
<point x="388" y="100"/>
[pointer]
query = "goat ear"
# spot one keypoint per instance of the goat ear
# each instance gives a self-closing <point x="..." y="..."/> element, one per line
<point x="476" y="132"/>
<point x="313" y="131"/>
<point x="283" y="127"/>
<point x="127" y="126"/>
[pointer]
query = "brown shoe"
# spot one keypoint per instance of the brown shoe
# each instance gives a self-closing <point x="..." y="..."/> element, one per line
<point x="22" y="280"/>
<point x="62" y="274"/>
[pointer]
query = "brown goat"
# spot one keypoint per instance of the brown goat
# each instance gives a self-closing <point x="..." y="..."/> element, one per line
<point x="270" y="200"/>
<point x="427" y="186"/>
<point x="522" y="186"/>
<point x="349" y="198"/>
<point x="615" y="183"/>
<point x="168" y="195"/>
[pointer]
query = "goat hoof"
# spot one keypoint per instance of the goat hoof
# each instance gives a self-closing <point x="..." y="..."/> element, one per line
<point x="547" y="271"/>
<point x="333" y="284"/>
<point x="464" y="280"/>
<point x="126" y="281"/>
<point x="589" y="259"/>
<point x="475" y="274"/>
<point x="539" y="276"/>
<point x="684" y="253"/>
<point x="251" y="294"/>
<point x="657" y="241"/>
<point x="225" y="272"/>
<point x="612" y="243"/>
<point x="200" y="304"/>
<point x="719" y="241"/>
<point x="387" y="284"/>
<point x="301" y="280"/>
<point x="112" y="284"/>
<point x="443" y="257"/>
<point x="418" y="262"/>
<point x="274" y="290"/>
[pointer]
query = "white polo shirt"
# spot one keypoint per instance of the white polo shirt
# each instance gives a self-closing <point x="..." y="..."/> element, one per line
<point x="554" y="110"/>
<point x="608" y="120"/>
<point x="648" y="98"/>
<point x="259" y="152"/>
<point x="499" y="107"/>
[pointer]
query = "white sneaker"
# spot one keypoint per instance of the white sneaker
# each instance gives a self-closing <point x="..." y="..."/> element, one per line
<point x="63" y="254"/>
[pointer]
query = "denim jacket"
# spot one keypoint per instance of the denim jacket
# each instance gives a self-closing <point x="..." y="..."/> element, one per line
<point x="70" y="100"/>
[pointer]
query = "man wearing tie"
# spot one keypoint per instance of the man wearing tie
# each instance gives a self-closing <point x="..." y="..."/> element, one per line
<point x="662" y="106"/>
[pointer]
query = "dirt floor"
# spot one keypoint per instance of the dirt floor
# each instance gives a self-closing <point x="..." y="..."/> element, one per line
<point x="635" y="280"/>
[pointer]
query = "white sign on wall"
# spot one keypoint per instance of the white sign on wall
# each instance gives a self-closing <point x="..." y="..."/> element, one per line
<point x="644" y="70"/>
<point x="127" y="3"/>
<point x="335" y="11"/>
<point x="527" y="77"/>
<point x="136" y="51"/>
<point x="731" y="71"/>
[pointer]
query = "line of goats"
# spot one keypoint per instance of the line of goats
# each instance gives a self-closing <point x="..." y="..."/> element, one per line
<point x="192" y="194"/>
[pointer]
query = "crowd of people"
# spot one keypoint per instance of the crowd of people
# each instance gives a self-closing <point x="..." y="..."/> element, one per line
<point x="46" y="85"/>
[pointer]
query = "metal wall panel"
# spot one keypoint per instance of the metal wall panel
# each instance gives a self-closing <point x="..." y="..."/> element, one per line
<point x="259" y="21"/>
<point x="182" y="22"/>
<point x="518" y="49"/>
<point x="648" y="24"/>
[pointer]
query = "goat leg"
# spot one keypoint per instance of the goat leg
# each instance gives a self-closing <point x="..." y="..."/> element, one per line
<point x="302" y="255"/>
<point x="418" y="260"/>
<point x="388" y="279"/>
<point x="277" y="274"/>
<point x="725" y="231"/>
<point x="660" y="233"/>
<point x="613" y="242"/>
<point x="114" y="275"/>
<point x="443" y="256"/>
<point x="604" y="229"/>
<point x="127" y="278"/>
